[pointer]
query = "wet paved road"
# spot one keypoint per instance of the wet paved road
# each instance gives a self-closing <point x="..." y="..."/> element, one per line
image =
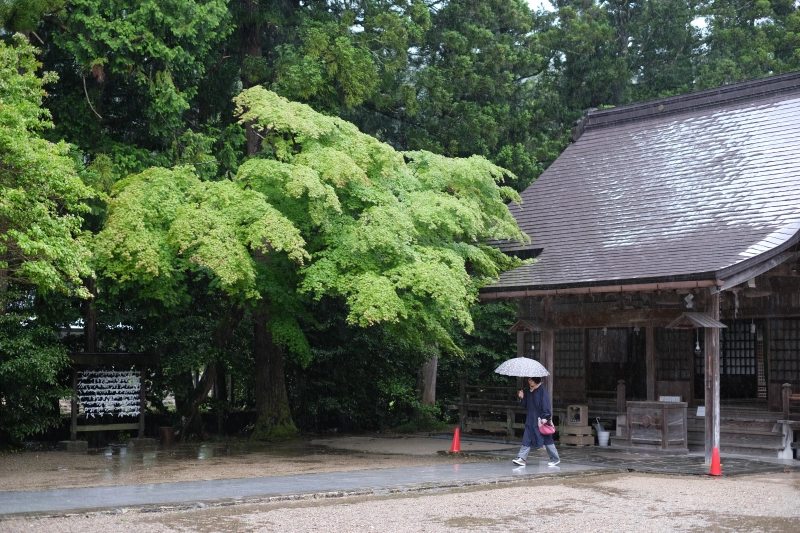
<point x="192" y="493"/>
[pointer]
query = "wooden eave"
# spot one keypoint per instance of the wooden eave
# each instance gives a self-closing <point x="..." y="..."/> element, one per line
<point x="116" y="359"/>
<point x="691" y="320"/>
<point x="528" y="325"/>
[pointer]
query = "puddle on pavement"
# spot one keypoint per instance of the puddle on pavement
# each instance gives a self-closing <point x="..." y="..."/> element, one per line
<point x="121" y="460"/>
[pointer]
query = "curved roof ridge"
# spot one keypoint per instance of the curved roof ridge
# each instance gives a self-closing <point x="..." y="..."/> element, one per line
<point x="662" y="107"/>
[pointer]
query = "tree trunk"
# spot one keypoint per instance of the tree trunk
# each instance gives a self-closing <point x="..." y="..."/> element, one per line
<point x="197" y="397"/>
<point x="428" y="381"/>
<point x="273" y="416"/>
<point x="251" y="48"/>
<point x="221" y="395"/>
<point x="90" y="317"/>
<point x="189" y="409"/>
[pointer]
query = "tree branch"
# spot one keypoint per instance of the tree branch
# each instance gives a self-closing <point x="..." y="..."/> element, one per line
<point x="86" y="92"/>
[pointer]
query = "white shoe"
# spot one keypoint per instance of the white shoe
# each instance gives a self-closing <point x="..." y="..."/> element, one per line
<point x="554" y="463"/>
<point x="519" y="461"/>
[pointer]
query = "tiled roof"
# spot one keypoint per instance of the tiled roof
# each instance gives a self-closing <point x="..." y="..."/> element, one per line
<point x="676" y="189"/>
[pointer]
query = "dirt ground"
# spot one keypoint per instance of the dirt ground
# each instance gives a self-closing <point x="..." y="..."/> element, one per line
<point x="115" y="465"/>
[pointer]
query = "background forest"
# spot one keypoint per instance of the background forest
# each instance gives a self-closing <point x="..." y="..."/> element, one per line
<point x="291" y="202"/>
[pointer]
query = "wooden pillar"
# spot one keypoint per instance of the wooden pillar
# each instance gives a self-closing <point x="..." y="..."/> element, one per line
<point x="786" y="394"/>
<point x="142" y="398"/>
<point x="520" y="343"/>
<point x="73" y="427"/>
<point x="621" y="402"/>
<point x="462" y="404"/>
<point x="650" y="355"/>
<point x="548" y="341"/>
<point x="712" y="381"/>
<point x="587" y="365"/>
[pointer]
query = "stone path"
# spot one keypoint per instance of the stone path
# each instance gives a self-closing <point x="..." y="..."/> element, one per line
<point x="230" y="491"/>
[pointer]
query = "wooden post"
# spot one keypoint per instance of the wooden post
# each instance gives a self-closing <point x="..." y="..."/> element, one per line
<point x="650" y="351"/>
<point x="712" y="381"/>
<point x="520" y="353"/>
<point x="786" y="394"/>
<point x="621" y="407"/>
<point x="73" y="427"/>
<point x="586" y="363"/>
<point x="142" y="398"/>
<point x="548" y="340"/>
<point x="462" y="402"/>
<point x="628" y="424"/>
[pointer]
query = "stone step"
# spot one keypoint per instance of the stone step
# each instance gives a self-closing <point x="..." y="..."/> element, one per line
<point x="771" y="442"/>
<point x="723" y="430"/>
<point x="727" y="448"/>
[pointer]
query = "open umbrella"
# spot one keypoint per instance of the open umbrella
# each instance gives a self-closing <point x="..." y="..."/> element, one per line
<point x="522" y="367"/>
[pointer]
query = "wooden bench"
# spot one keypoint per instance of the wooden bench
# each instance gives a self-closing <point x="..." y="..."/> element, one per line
<point x="491" y="409"/>
<point x="794" y="404"/>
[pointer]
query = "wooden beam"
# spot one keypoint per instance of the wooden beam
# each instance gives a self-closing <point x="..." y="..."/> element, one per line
<point x="650" y="361"/>
<point x="117" y="359"/>
<point x="109" y="427"/>
<point x="639" y="287"/>
<point x="712" y="381"/>
<point x="616" y="318"/>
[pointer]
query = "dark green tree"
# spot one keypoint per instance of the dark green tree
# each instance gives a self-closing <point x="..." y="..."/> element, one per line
<point x="748" y="39"/>
<point x="130" y="80"/>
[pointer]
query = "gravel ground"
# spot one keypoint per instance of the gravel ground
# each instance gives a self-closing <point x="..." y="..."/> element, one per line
<point x="622" y="502"/>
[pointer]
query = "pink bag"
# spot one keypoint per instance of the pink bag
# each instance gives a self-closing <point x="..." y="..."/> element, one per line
<point x="547" y="429"/>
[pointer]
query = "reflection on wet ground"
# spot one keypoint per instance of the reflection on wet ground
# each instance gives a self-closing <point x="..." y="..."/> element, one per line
<point x="119" y="456"/>
<point x="690" y="464"/>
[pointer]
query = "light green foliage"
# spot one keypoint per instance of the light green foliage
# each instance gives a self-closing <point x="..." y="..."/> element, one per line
<point x="41" y="193"/>
<point x="163" y="223"/>
<point x="405" y="229"/>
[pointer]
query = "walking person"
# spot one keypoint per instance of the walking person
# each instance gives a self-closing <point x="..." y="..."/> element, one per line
<point x="537" y="401"/>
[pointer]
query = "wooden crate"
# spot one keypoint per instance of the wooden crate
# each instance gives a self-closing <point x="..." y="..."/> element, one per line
<point x="577" y="440"/>
<point x="576" y="430"/>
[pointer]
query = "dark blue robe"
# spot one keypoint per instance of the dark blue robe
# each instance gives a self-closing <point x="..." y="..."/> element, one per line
<point x="538" y="405"/>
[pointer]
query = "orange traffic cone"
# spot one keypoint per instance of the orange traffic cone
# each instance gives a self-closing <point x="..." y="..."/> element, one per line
<point x="716" y="468"/>
<point x="456" y="448"/>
